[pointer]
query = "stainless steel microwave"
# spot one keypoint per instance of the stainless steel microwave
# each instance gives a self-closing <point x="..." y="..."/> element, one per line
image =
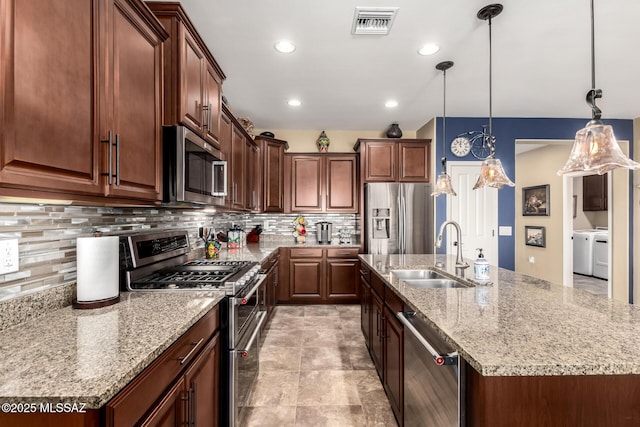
<point x="194" y="171"/>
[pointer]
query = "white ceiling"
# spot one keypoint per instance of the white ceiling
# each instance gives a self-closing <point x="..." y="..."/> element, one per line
<point x="541" y="60"/>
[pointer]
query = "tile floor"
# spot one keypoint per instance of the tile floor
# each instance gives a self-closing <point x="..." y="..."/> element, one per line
<point x="316" y="371"/>
<point x="591" y="284"/>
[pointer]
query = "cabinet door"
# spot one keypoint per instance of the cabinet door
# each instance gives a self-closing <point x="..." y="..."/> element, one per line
<point x="238" y="181"/>
<point x="49" y="123"/>
<point x="306" y="183"/>
<point x="212" y="105"/>
<point x="306" y="279"/>
<point x="594" y="192"/>
<point x="381" y="161"/>
<point x="414" y="161"/>
<point x="273" y="155"/>
<point x="394" y="362"/>
<point x="226" y="137"/>
<point x="171" y="411"/>
<point x="202" y="381"/>
<point x="342" y="279"/>
<point x="192" y="85"/>
<point x="365" y="311"/>
<point x="341" y="184"/>
<point x="137" y="122"/>
<point x="253" y="175"/>
<point x="377" y="332"/>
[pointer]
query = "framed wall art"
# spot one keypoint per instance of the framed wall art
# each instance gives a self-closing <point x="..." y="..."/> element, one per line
<point x="535" y="236"/>
<point x="536" y="201"/>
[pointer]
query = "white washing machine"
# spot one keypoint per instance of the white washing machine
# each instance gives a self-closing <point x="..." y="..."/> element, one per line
<point x="583" y="251"/>
<point x="601" y="255"/>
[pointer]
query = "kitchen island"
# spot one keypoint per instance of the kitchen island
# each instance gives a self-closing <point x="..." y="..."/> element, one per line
<point x="536" y="353"/>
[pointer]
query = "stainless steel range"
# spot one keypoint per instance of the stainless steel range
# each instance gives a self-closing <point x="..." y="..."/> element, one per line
<point x="157" y="262"/>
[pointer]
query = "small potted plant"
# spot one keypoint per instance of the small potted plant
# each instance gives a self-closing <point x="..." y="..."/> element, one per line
<point x="299" y="228"/>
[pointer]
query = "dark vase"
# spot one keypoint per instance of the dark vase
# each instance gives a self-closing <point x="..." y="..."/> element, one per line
<point x="394" y="131"/>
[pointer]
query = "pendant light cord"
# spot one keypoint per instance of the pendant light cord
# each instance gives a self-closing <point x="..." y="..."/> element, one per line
<point x="594" y="93"/>
<point x="593" y="50"/>
<point x="444" y="124"/>
<point x="493" y="149"/>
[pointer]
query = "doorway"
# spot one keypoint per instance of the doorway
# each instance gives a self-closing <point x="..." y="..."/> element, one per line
<point x="475" y="210"/>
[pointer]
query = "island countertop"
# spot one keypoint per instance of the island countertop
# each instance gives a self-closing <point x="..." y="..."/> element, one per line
<point x="87" y="356"/>
<point x="521" y="325"/>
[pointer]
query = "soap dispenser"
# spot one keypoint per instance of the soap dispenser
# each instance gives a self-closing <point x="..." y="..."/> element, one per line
<point x="481" y="267"/>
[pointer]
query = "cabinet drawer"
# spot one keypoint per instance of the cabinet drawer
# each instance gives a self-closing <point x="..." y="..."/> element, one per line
<point x="306" y="253"/>
<point x="130" y="404"/>
<point x="393" y="301"/>
<point x="342" y="253"/>
<point x="378" y="285"/>
<point x="365" y="273"/>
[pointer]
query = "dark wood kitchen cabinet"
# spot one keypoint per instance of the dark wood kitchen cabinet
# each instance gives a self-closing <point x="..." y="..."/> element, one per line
<point x="81" y="124"/>
<point x="192" y="77"/>
<point x="595" y="193"/>
<point x="237" y="166"/>
<point x="272" y="152"/>
<point x="322" y="183"/>
<point x="384" y="336"/>
<point x="395" y="160"/>
<point x="321" y="276"/>
<point x="179" y="388"/>
<point x="253" y="170"/>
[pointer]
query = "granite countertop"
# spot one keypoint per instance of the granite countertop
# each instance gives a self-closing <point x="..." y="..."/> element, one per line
<point x="521" y="325"/>
<point x="87" y="356"/>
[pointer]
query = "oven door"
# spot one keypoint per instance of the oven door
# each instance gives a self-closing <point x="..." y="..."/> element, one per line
<point x="245" y="367"/>
<point x="242" y="308"/>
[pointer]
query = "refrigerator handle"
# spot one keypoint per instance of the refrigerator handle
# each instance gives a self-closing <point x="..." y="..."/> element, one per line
<point x="400" y="220"/>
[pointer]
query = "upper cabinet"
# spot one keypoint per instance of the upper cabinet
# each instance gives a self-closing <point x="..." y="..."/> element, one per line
<point x="391" y="160"/>
<point x="322" y="182"/>
<point x="193" y="78"/>
<point x="272" y="153"/>
<point x="594" y="193"/>
<point x="86" y="123"/>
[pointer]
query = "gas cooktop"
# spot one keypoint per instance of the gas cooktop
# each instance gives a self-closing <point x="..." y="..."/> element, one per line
<point x="155" y="262"/>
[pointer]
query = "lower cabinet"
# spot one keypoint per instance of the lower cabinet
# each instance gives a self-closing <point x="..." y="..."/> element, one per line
<point x="179" y="388"/>
<point x="317" y="275"/>
<point x="384" y="336"/>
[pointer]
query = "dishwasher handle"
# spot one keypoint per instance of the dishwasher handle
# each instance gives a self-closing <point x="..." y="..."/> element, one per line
<point x="439" y="359"/>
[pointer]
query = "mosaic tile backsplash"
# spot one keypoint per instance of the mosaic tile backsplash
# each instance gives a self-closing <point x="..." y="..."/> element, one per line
<point x="47" y="234"/>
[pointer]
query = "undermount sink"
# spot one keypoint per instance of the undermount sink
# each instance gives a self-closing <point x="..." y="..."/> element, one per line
<point x="417" y="274"/>
<point x="433" y="283"/>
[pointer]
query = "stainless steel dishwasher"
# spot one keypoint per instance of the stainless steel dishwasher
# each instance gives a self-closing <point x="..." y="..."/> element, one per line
<point x="433" y="377"/>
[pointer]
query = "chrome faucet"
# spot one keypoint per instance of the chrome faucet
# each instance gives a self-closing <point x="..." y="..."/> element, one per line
<point x="460" y="263"/>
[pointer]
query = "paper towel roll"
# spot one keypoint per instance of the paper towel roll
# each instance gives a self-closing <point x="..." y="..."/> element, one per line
<point x="97" y="268"/>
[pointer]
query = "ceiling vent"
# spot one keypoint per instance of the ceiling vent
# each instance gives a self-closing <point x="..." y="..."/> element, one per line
<point x="373" y="20"/>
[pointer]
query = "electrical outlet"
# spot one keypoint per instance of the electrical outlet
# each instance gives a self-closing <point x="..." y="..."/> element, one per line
<point x="532" y="260"/>
<point x="9" y="261"/>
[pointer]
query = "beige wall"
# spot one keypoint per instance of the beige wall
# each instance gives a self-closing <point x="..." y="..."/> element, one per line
<point x="428" y="131"/>
<point x="548" y="260"/>
<point x="636" y="212"/>
<point x="342" y="141"/>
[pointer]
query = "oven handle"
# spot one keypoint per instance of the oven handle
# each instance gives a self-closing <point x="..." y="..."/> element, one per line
<point x="245" y="299"/>
<point x="245" y="353"/>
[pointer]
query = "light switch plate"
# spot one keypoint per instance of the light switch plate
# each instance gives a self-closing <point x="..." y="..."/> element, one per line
<point x="504" y="230"/>
<point x="9" y="262"/>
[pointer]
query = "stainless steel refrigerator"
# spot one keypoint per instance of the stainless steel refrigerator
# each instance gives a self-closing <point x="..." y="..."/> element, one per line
<point x="398" y="218"/>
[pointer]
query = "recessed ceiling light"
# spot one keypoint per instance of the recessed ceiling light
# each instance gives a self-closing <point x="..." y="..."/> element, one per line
<point x="429" y="49"/>
<point x="391" y="104"/>
<point x="285" y="46"/>
<point x="294" y="102"/>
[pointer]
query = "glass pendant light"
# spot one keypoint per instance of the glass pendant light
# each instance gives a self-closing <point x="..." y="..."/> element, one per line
<point x="443" y="184"/>
<point x="595" y="149"/>
<point x="491" y="173"/>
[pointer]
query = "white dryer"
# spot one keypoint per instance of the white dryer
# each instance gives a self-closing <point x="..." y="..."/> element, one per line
<point x="601" y="255"/>
<point x="583" y="251"/>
